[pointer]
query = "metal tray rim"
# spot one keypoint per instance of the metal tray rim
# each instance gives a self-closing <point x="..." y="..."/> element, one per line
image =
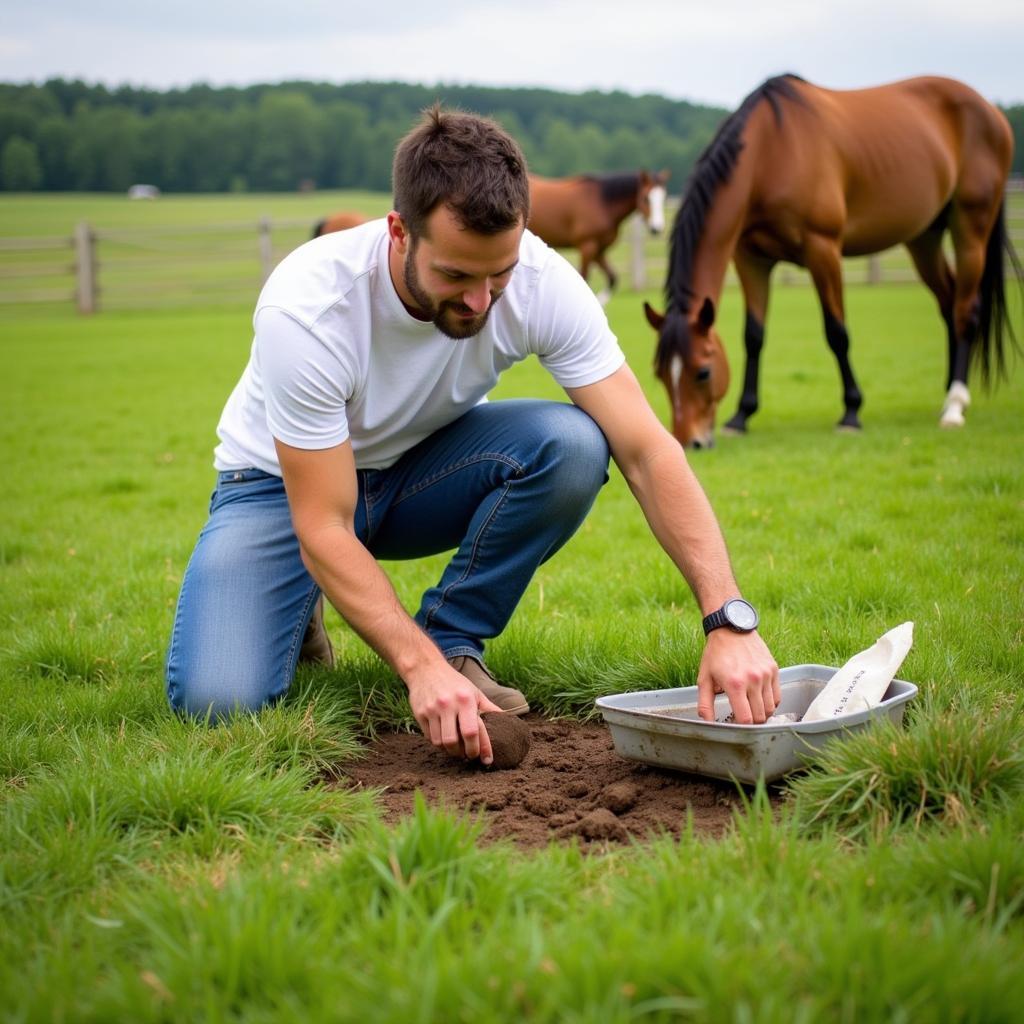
<point x="726" y="732"/>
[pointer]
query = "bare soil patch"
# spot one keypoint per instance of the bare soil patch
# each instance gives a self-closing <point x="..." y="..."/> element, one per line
<point x="570" y="786"/>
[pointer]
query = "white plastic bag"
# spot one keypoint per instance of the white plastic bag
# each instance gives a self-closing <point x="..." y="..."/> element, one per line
<point x="862" y="681"/>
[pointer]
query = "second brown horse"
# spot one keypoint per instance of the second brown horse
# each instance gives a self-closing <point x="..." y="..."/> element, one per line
<point x="340" y="221"/>
<point x="583" y="212"/>
<point x="810" y="175"/>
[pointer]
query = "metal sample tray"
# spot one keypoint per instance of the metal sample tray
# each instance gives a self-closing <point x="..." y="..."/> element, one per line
<point x="662" y="727"/>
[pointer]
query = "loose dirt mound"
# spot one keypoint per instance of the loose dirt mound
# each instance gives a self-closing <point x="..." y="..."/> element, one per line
<point x="571" y="785"/>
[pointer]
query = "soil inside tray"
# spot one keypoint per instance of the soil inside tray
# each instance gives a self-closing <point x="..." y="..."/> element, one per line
<point x="570" y="786"/>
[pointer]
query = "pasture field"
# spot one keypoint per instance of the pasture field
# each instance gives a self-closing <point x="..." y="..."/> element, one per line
<point x="57" y="213"/>
<point x="157" y="871"/>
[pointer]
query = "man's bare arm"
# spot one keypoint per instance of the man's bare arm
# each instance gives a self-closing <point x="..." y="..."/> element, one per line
<point x="322" y="492"/>
<point x="681" y="518"/>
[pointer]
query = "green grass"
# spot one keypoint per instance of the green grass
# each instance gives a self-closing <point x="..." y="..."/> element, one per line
<point x="156" y="871"/>
<point x="42" y="214"/>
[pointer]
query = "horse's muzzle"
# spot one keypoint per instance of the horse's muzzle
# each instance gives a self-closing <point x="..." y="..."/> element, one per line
<point x="708" y="441"/>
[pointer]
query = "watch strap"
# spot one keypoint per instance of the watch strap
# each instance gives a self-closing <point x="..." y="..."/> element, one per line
<point x="720" y="618"/>
<point x="715" y="620"/>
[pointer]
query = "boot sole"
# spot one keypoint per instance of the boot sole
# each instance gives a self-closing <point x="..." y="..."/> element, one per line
<point x="519" y="709"/>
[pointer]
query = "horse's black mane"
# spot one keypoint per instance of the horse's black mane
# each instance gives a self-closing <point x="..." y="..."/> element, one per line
<point x="713" y="168"/>
<point x="616" y="186"/>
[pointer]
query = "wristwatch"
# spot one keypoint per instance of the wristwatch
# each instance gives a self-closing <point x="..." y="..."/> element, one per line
<point x="739" y="615"/>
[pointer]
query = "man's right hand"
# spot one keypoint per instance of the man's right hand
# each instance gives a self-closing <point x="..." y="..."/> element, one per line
<point x="323" y="491"/>
<point x="448" y="707"/>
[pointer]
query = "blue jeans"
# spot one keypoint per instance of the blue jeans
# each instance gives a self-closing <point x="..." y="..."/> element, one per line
<point x="506" y="485"/>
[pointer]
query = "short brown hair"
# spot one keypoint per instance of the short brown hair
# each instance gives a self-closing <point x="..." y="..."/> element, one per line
<point x="469" y="163"/>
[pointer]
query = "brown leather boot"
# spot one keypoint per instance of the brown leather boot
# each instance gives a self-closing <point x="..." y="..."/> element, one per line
<point x="510" y="701"/>
<point x="316" y="645"/>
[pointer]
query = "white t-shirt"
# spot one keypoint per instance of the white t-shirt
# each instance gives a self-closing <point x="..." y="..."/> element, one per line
<point x="336" y="355"/>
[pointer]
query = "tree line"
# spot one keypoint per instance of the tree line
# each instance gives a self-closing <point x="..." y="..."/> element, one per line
<point x="72" y="136"/>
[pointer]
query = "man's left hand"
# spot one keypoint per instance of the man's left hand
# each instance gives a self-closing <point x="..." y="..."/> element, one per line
<point x="740" y="666"/>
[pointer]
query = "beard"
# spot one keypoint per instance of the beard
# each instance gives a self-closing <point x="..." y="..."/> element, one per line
<point x="448" y="317"/>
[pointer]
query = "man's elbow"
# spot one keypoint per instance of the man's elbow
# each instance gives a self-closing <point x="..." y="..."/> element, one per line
<point x="658" y="454"/>
<point x="319" y="539"/>
<point x="308" y="560"/>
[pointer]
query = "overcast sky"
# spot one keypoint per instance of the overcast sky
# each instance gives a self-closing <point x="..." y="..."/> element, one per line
<point x="714" y="51"/>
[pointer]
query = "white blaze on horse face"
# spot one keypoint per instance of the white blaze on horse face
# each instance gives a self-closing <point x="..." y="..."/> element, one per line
<point x="656" y="203"/>
<point x="675" y="374"/>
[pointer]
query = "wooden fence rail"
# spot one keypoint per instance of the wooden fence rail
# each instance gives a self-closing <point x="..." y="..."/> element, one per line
<point x="213" y="264"/>
<point x="219" y="264"/>
<point x="648" y="256"/>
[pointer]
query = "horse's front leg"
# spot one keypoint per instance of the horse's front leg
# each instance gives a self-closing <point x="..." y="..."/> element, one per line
<point x="755" y="276"/>
<point x="824" y="261"/>
<point x="587" y="253"/>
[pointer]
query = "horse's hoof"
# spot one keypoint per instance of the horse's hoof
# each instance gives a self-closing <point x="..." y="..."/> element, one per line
<point x="849" y="424"/>
<point x="728" y="430"/>
<point x="957" y="399"/>
<point x="603" y="296"/>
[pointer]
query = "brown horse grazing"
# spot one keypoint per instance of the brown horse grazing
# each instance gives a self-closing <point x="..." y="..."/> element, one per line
<point x="809" y="175"/>
<point x="585" y="212"/>
<point x="339" y="222"/>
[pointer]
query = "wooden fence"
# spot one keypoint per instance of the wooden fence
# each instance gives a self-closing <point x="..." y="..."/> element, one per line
<point x="648" y="254"/>
<point x="212" y="264"/>
<point x="225" y="264"/>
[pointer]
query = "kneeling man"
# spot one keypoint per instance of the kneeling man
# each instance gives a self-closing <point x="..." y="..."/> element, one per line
<point x="360" y="430"/>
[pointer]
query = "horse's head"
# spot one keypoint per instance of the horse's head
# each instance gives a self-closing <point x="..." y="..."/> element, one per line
<point x="691" y="363"/>
<point x="650" y="199"/>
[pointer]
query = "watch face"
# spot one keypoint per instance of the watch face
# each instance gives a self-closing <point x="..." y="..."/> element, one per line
<point x="741" y="615"/>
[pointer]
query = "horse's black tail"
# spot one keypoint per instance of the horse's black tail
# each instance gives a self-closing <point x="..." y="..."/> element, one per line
<point x="994" y="317"/>
<point x="318" y="229"/>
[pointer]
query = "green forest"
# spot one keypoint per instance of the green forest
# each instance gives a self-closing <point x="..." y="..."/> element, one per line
<point x="72" y="136"/>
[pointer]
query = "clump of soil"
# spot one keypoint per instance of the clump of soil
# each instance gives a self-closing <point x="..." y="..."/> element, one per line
<point x="570" y="787"/>
<point x="620" y="797"/>
<point x="598" y="824"/>
<point x="510" y="739"/>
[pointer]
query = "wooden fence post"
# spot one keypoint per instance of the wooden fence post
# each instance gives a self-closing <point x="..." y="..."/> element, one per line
<point x="874" y="269"/>
<point x="639" y="267"/>
<point x="85" y="268"/>
<point x="266" y="248"/>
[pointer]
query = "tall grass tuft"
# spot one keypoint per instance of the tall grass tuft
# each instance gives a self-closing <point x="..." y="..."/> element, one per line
<point x="950" y="768"/>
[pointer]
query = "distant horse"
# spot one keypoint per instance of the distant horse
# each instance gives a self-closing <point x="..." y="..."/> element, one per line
<point x="809" y="175"/>
<point x="339" y="222"/>
<point x="585" y="212"/>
